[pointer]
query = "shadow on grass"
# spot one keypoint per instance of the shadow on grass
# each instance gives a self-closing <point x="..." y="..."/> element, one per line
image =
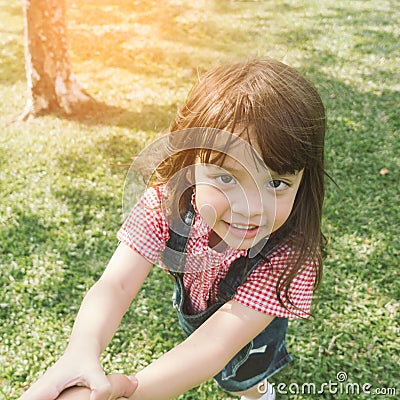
<point x="149" y="118"/>
<point x="28" y="231"/>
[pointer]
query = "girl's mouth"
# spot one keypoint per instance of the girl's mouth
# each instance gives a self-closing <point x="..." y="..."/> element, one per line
<point x="243" y="231"/>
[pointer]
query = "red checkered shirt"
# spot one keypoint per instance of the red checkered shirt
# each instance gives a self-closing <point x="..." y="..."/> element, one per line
<point x="146" y="231"/>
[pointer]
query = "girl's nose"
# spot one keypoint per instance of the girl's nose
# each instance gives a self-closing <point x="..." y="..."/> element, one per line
<point x="247" y="203"/>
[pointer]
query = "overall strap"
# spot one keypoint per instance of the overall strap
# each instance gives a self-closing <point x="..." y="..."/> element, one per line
<point x="241" y="269"/>
<point x="174" y="253"/>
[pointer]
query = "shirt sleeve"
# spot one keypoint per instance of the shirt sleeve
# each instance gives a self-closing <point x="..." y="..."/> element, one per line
<point x="259" y="291"/>
<point x="146" y="229"/>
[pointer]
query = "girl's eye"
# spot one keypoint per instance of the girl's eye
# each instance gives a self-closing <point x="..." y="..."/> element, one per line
<point x="277" y="184"/>
<point x="226" y="179"/>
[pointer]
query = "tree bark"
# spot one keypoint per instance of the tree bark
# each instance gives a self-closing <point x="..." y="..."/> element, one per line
<point x="52" y="87"/>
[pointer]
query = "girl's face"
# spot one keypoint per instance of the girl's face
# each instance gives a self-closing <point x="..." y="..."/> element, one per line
<point x="242" y="200"/>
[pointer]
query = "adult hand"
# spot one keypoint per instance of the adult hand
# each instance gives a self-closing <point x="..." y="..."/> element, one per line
<point x="72" y="369"/>
<point x="121" y="387"/>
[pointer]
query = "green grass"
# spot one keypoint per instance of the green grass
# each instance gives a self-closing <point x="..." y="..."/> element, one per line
<point x="61" y="193"/>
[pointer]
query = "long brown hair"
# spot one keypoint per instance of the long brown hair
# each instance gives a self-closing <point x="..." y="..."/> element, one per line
<point x="287" y="116"/>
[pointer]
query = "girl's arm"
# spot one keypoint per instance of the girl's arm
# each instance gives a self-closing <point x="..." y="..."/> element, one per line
<point x="107" y="301"/>
<point x="202" y="355"/>
<point x="97" y="320"/>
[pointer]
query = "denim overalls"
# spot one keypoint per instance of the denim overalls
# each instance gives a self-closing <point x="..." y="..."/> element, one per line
<point x="266" y="354"/>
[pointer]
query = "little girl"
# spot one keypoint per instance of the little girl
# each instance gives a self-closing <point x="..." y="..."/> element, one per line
<point x="232" y="211"/>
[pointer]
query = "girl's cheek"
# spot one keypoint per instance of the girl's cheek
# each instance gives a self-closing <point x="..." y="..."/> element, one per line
<point x="208" y="213"/>
<point x="283" y="210"/>
<point x="210" y="202"/>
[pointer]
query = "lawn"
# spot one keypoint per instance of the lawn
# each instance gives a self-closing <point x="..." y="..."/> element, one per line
<point x="61" y="186"/>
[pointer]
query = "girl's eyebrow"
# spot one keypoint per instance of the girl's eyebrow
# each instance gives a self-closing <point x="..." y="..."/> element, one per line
<point x="224" y="167"/>
<point x="275" y="175"/>
<point x="229" y="166"/>
<point x="232" y="168"/>
<point x="284" y="175"/>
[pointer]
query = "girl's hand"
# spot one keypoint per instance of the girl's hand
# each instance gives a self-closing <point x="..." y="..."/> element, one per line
<point x="121" y="388"/>
<point x="74" y="368"/>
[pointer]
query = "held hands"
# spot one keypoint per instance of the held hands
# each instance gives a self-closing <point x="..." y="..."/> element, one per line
<point x="121" y="387"/>
<point x="73" y="369"/>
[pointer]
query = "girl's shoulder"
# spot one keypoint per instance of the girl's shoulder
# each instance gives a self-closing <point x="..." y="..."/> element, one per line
<point x="284" y="247"/>
<point x="153" y="196"/>
<point x="287" y="253"/>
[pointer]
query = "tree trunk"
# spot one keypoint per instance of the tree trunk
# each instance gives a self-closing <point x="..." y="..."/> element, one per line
<point x="52" y="86"/>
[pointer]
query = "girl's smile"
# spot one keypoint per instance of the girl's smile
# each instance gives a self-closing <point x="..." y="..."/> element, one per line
<point x="248" y="230"/>
<point x="244" y="231"/>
